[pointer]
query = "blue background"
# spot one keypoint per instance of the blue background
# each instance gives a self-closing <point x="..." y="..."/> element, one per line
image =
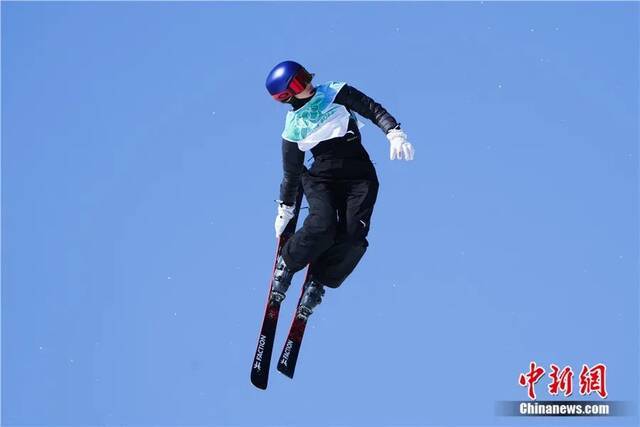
<point x="141" y="155"/>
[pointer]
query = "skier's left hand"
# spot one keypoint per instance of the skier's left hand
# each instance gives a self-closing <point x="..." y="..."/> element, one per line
<point x="400" y="147"/>
<point x="285" y="213"/>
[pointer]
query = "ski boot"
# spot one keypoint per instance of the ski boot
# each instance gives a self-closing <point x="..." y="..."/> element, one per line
<point x="311" y="297"/>
<point x="281" y="281"/>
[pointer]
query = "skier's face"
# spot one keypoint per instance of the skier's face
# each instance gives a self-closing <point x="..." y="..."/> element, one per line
<point x="307" y="92"/>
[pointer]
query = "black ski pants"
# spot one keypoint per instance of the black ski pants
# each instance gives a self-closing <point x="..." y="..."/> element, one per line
<point x="333" y="236"/>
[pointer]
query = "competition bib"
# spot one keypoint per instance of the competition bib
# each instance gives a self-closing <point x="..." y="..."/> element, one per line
<point x="319" y="119"/>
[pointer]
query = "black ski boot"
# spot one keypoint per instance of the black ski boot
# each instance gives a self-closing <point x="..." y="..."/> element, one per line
<point x="281" y="280"/>
<point x="311" y="297"/>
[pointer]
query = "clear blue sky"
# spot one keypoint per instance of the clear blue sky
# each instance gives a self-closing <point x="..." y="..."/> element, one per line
<point x="141" y="156"/>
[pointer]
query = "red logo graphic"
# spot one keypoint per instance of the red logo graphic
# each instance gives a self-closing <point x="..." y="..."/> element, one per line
<point x="533" y="376"/>
<point x="561" y="380"/>
<point x="592" y="380"/>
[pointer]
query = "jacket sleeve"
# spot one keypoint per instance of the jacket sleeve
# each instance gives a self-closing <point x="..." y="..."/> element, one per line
<point x="292" y="165"/>
<point x="357" y="101"/>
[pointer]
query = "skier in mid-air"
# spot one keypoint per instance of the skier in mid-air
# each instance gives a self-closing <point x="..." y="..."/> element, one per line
<point x="340" y="187"/>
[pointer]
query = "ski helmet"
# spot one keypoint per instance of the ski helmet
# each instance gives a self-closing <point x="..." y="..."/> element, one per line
<point x="287" y="79"/>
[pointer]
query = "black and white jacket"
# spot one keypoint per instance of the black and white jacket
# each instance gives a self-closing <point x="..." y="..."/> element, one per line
<point x="345" y="147"/>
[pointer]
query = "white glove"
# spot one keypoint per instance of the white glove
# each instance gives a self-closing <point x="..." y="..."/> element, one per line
<point x="400" y="147"/>
<point x="285" y="213"/>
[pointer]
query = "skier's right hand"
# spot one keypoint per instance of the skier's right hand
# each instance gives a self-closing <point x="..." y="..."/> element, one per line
<point x="285" y="213"/>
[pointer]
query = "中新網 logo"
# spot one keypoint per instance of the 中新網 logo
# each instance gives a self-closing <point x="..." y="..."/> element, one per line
<point x="591" y="380"/>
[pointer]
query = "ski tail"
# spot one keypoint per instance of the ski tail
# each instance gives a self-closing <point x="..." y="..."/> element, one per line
<point x="289" y="356"/>
<point x="264" y="348"/>
<point x="262" y="357"/>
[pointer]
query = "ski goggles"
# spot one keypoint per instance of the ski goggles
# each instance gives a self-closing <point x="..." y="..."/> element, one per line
<point x="297" y="84"/>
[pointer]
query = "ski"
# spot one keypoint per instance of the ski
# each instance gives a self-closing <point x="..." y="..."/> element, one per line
<point x="264" y="349"/>
<point x="289" y="356"/>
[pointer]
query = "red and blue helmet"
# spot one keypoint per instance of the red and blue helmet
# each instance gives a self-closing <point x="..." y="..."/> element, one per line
<point x="287" y="79"/>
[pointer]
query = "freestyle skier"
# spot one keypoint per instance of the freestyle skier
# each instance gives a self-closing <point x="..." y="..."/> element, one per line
<point x="341" y="185"/>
